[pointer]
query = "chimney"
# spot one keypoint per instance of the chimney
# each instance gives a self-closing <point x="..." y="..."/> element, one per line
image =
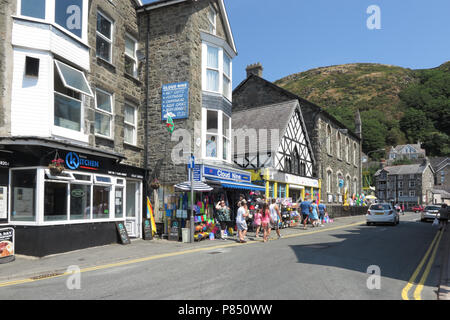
<point x="255" y="69"/>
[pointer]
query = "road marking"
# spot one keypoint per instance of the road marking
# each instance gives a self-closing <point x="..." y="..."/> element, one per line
<point x="411" y="281"/>
<point x="417" y="293"/>
<point x="167" y="255"/>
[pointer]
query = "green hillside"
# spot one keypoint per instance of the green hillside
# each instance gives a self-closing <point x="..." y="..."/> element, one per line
<point x="397" y="105"/>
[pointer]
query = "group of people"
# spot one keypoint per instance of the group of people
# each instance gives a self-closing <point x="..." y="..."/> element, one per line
<point x="267" y="217"/>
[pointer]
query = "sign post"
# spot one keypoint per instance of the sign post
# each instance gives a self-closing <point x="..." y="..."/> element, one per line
<point x="7" y="250"/>
<point x="191" y="175"/>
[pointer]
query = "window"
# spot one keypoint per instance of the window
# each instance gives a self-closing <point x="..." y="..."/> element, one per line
<point x="68" y="14"/>
<point x="103" y="114"/>
<point x="23" y="188"/>
<point x="212" y="69"/>
<point x="32" y="67"/>
<point x="69" y="84"/>
<point x="130" y="131"/>
<point x="131" y="200"/>
<point x="329" y="139"/>
<point x="104" y="37"/>
<point x="355" y="184"/>
<point x="119" y="203"/>
<point x="130" y="56"/>
<point x="212" y="133"/>
<point x="412" y="193"/>
<point x="227" y="76"/>
<point x="33" y="8"/>
<point x="329" y="177"/>
<point x="412" y="184"/>
<point x="212" y="19"/>
<point x="347" y="150"/>
<point x="400" y="193"/>
<point x="338" y="146"/>
<point x="400" y="184"/>
<point x="80" y="201"/>
<point x="55" y="201"/>
<point x="355" y="154"/>
<point x="101" y="202"/>
<point x="226" y="137"/>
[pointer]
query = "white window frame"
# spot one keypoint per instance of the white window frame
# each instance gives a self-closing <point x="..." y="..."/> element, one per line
<point x="329" y="180"/>
<point x="339" y="145"/>
<point x="412" y="183"/>
<point x="400" y="184"/>
<point x="226" y="137"/>
<point x="228" y="77"/>
<point x="135" y="69"/>
<point x="412" y="193"/>
<point x="400" y="193"/>
<point x="219" y="136"/>
<point x="106" y="113"/>
<point x="220" y="70"/>
<point x="328" y="137"/>
<point x="354" y="154"/>
<point x="212" y="23"/>
<point x="347" y="150"/>
<point x="111" y="41"/>
<point x="134" y="143"/>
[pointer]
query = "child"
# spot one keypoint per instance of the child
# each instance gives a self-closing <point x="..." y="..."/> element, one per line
<point x="266" y="221"/>
<point x="257" y="222"/>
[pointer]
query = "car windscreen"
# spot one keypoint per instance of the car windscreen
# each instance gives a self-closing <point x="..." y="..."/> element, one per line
<point x="380" y="207"/>
<point x="432" y="208"/>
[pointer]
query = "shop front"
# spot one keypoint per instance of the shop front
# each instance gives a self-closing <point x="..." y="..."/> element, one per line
<point x="62" y="198"/>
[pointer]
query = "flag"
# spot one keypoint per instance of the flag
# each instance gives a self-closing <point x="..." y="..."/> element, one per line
<point x="170" y="125"/>
<point x="151" y="216"/>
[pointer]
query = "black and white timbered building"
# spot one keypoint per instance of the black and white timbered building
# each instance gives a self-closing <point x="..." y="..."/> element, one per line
<point x="272" y="142"/>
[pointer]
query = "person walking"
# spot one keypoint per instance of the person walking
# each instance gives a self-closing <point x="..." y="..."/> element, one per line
<point x="223" y="217"/>
<point x="443" y="217"/>
<point x="304" y="206"/>
<point x="313" y="209"/>
<point x="266" y="221"/>
<point x="242" y="213"/>
<point x="322" y="211"/>
<point x="257" y="220"/>
<point x="276" y="216"/>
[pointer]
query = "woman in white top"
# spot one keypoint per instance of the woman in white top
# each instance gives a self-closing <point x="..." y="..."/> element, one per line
<point x="242" y="213"/>
<point x="276" y="217"/>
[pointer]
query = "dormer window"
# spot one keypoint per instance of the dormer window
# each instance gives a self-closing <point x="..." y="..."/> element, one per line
<point x="212" y="19"/>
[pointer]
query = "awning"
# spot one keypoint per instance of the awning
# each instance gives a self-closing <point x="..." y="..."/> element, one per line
<point x="240" y="185"/>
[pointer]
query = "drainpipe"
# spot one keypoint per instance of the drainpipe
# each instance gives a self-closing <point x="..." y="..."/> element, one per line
<point x="146" y="151"/>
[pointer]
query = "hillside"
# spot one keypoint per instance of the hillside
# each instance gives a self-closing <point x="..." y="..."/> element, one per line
<point x="388" y="97"/>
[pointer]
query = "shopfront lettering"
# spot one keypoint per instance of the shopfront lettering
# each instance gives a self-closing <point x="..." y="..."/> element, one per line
<point x="226" y="175"/>
<point x="74" y="162"/>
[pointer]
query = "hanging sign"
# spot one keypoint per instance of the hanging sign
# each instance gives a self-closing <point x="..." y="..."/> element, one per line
<point x="7" y="245"/>
<point x="175" y="101"/>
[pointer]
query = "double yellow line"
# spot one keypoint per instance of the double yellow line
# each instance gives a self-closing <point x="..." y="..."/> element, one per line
<point x="431" y="250"/>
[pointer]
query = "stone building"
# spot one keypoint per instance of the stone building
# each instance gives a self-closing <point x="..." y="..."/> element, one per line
<point x="441" y="167"/>
<point x="337" y="149"/>
<point x="70" y="99"/>
<point x="406" y="184"/>
<point x="412" y="152"/>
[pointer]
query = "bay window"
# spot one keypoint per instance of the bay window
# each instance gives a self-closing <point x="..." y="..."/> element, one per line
<point x="33" y="8"/>
<point x="226" y="137"/>
<point x="212" y="69"/>
<point x="104" y="37"/>
<point x="212" y="130"/>
<point x="227" y="76"/>
<point x="217" y="134"/>
<point x="103" y="114"/>
<point x="217" y="71"/>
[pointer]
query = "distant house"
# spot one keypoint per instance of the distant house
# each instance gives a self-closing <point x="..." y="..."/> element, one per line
<point x="441" y="167"/>
<point x="406" y="152"/>
<point x="406" y="184"/>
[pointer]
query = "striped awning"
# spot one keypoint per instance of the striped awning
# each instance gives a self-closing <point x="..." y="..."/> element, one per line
<point x="198" y="186"/>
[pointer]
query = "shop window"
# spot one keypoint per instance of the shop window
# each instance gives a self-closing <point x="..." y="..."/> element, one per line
<point x="130" y="56"/>
<point x="104" y="113"/>
<point x="62" y="176"/>
<point x="130" y="125"/>
<point x="104" y="37"/>
<point x="55" y="201"/>
<point x="23" y="186"/>
<point x="33" y="8"/>
<point x="100" y="204"/>
<point x="80" y="202"/>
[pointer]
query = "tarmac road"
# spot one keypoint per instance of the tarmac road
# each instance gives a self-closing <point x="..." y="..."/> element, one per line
<point x="329" y="263"/>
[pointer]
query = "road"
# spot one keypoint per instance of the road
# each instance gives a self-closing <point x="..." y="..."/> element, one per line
<point x="321" y="263"/>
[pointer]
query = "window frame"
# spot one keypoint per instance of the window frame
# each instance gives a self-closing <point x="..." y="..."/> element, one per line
<point x="127" y="104"/>
<point x="212" y="24"/>
<point x="135" y="59"/>
<point x="206" y="87"/>
<point x="110" y="41"/>
<point x="105" y="113"/>
<point x="338" y="145"/>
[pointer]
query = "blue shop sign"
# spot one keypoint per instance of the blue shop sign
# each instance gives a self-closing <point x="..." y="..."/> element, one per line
<point x="225" y="174"/>
<point x="75" y="161"/>
<point x="175" y="101"/>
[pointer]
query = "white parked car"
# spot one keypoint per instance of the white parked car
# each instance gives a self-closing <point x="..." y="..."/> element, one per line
<point x="382" y="213"/>
<point x="430" y="213"/>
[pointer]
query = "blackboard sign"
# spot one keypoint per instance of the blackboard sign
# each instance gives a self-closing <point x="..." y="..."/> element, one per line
<point x="124" y="238"/>
<point x="174" y="234"/>
<point x="7" y="245"/>
<point x="148" y="234"/>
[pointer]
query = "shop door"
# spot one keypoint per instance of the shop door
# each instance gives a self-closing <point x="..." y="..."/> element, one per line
<point x="132" y="221"/>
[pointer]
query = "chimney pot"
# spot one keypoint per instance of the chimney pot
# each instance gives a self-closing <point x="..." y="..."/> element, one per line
<point x="256" y="69"/>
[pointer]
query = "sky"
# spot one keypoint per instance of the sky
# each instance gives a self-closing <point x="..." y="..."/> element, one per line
<point x="290" y="36"/>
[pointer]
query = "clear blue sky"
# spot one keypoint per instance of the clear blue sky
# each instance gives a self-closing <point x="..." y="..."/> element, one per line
<point x="289" y="36"/>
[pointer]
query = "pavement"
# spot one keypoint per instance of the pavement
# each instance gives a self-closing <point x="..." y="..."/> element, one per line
<point x="444" y="286"/>
<point x="29" y="268"/>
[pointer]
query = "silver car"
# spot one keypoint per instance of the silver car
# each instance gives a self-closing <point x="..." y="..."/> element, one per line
<point x="382" y="213"/>
<point x="430" y="213"/>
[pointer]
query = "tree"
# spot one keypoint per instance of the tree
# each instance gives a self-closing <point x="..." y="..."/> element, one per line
<point x="416" y="125"/>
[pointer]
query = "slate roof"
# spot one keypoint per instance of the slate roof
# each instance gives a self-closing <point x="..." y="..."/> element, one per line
<point x="404" y="169"/>
<point x="438" y="163"/>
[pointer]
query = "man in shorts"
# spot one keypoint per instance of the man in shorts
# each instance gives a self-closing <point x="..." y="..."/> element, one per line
<point x="304" y="206"/>
<point x="276" y="216"/>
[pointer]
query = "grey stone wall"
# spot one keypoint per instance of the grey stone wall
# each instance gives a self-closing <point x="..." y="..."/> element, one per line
<point x="446" y="184"/>
<point x="111" y="77"/>
<point x="175" y="55"/>
<point x="336" y="211"/>
<point x="7" y="9"/>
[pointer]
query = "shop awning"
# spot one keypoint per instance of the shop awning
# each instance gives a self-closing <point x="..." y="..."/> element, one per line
<point x="239" y="185"/>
